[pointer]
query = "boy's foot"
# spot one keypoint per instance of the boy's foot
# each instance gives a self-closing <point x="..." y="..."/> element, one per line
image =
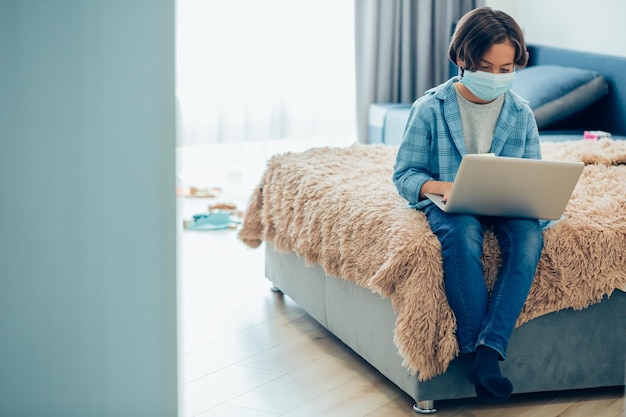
<point x="485" y="396"/>
<point x="484" y="373"/>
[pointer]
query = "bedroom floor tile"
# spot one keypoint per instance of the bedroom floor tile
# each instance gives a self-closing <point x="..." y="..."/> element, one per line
<point x="219" y="387"/>
<point x="310" y="346"/>
<point x="252" y="347"/>
<point x="298" y="387"/>
<point x="204" y="330"/>
<point x="231" y="411"/>
<point x="357" y="397"/>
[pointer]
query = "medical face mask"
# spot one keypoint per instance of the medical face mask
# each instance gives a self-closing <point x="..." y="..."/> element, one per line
<point x="487" y="86"/>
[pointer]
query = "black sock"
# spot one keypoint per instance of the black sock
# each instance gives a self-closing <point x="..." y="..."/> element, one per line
<point x="484" y="373"/>
<point x="485" y="396"/>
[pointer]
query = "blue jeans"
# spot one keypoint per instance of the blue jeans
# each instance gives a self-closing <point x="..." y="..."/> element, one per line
<point x="483" y="319"/>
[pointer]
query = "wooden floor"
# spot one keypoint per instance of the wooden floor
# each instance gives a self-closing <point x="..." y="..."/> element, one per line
<point x="248" y="352"/>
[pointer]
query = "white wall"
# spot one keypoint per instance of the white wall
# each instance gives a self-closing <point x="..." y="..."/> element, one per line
<point x="589" y="25"/>
<point x="87" y="208"/>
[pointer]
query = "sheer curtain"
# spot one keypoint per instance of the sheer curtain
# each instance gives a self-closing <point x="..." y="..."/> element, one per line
<point x="401" y="49"/>
<point x="256" y="77"/>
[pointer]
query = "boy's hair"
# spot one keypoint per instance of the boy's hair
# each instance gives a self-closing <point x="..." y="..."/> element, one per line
<point x="481" y="28"/>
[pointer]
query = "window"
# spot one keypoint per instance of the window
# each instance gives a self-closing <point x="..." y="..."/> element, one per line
<point x="262" y="76"/>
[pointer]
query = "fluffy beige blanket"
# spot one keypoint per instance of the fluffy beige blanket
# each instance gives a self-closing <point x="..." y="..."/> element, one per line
<point x="337" y="207"/>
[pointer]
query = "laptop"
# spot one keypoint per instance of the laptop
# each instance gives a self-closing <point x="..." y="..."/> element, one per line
<point x="511" y="187"/>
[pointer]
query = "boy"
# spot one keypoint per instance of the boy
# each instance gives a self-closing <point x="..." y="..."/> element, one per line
<point x="476" y="113"/>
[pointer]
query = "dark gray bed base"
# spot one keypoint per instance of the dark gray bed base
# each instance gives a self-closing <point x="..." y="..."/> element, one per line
<point x="560" y="351"/>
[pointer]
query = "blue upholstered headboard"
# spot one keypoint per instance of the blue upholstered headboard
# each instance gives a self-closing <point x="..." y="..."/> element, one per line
<point x="609" y="113"/>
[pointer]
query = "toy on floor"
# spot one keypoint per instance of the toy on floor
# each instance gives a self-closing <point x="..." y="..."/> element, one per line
<point x="219" y="217"/>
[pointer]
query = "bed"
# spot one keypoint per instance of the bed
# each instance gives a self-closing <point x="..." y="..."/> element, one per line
<point x="341" y="242"/>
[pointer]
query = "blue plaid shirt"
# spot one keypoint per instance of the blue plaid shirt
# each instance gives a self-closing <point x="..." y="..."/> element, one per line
<point x="433" y="142"/>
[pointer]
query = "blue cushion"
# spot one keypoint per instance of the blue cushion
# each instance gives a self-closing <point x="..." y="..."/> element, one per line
<point x="555" y="92"/>
<point x="386" y="122"/>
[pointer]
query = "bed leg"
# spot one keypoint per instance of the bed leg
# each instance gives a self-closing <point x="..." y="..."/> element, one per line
<point x="275" y="289"/>
<point x="424" y="407"/>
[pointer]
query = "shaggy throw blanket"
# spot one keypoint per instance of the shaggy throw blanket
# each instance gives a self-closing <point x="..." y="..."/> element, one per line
<point x="338" y="207"/>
